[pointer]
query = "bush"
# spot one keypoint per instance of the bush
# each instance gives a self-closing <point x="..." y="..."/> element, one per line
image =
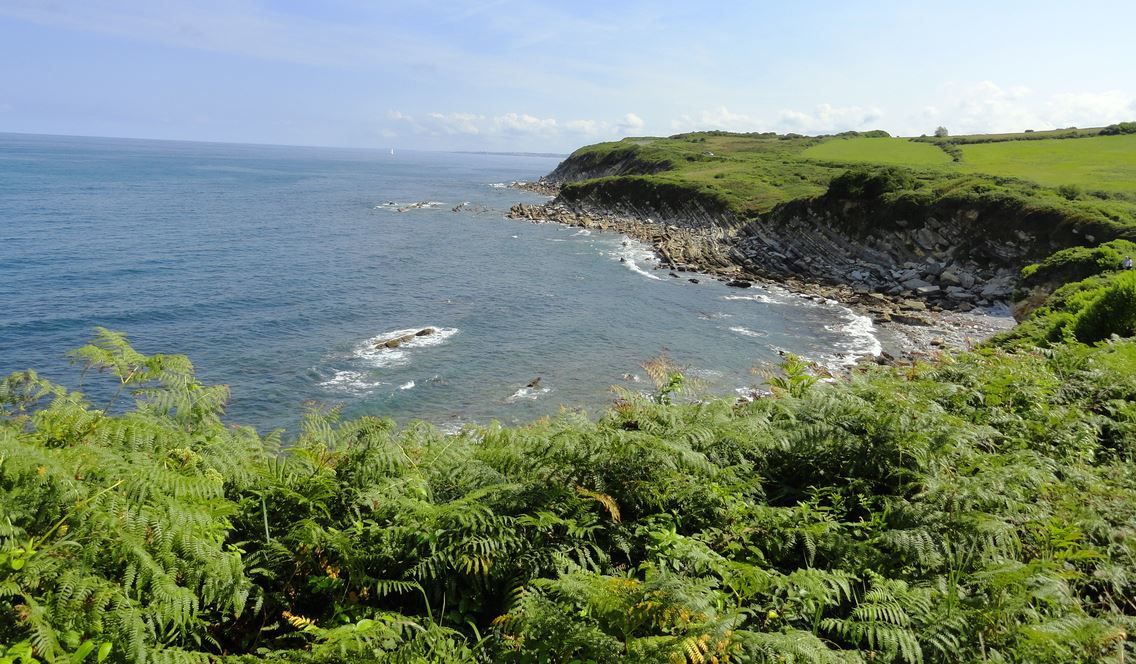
<point x="1069" y="191"/>
<point x="870" y="182"/>
<point x="1077" y="263"/>
<point x="1119" y="128"/>
<point x="1113" y="312"/>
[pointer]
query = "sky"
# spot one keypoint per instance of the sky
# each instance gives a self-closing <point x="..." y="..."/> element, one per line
<point x="552" y="76"/>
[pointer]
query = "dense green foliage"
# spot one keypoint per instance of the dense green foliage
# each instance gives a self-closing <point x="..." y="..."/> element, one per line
<point x="1119" y="128"/>
<point x="1077" y="263"/>
<point x="978" y="509"/>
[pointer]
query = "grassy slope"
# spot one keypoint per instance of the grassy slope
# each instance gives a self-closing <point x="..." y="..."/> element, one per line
<point x="749" y="174"/>
<point x="1097" y="163"/>
<point x="752" y="174"/>
<point x="892" y="151"/>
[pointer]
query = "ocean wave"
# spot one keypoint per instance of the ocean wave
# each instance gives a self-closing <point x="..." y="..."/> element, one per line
<point x="395" y="206"/>
<point x="758" y="297"/>
<point x="354" y="382"/>
<point x="632" y="252"/>
<point x="408" y="385"/>
<point x="528" y="394"/>
<point x="499" y="185"/>
<point x="373" y="352"/>
<point x="862" y="339"/>
<point x="451" y="428"/>
<point x="858" y="339"/>
<point x="746" y="332"/>
<point x="583" y="232"/>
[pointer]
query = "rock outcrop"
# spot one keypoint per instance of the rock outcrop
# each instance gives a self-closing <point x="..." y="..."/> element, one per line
<point x="395" y="342"/>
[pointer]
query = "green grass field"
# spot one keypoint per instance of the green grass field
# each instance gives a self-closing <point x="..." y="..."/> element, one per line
<point x="1106" y="163"/>
<point x="753" y="173"/>
<point x="891" y="151"/>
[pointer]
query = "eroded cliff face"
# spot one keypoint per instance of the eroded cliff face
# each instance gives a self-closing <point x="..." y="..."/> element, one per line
<point x="953" y="254"/>
<point x="591" y="165"/>
<point x="956" y="253"/>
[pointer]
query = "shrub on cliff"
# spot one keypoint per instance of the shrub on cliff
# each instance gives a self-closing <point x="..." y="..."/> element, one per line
<point x="870" y="183"/>
<point x="1077" y="263"/>
<point x="1112" y="312"/>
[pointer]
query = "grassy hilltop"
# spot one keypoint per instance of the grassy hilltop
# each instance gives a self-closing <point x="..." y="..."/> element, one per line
<point x="974" y="508"/>
<point x="1085" y="172"/>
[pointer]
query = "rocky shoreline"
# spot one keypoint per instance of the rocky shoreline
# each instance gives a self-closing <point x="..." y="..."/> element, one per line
<point x="911" y="322"/>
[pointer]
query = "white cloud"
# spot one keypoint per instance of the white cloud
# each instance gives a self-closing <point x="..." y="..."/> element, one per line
<point x="717" y="118"/>
<point x="455" y="123"/>
<point x="825" y="118"/>
<point x="512" y="125"/>
<point x="987" y="107"/>
<point x="523" y="123"/>
<point x="1085" y="109"/>
<point x="829" y="118"/>
<point x="586" y="127"/>
<point x="964" y="108"/>
<point x="630" y="124"/>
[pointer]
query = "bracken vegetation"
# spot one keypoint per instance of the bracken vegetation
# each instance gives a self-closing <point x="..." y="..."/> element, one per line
<point x="981" y="508"/>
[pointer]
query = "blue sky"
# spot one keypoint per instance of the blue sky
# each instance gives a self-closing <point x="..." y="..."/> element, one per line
<point x="553" y="76"/>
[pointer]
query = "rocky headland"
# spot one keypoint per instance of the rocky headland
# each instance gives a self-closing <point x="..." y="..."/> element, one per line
<point x="933" y="255"/>
<point x="920" y="299"/>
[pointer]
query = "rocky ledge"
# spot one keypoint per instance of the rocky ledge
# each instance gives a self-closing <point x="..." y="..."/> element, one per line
<point x="543" y="186"/>
<point x="395" y="342"/>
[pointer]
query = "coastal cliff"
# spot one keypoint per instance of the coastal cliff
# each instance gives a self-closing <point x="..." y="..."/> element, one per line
<point x="871" y="231"/>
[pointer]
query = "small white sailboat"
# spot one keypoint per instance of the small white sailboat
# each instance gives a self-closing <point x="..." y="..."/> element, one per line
<point x="392" y="152"/>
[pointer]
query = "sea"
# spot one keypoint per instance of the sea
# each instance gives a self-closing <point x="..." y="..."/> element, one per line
<point x="278" y="271"/>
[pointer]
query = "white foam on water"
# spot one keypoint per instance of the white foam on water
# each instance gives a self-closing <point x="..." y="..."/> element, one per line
<point x="758" y="297"/>
<point x="705" y="373"/>
<point x="859" y="339"/>
<point x="583" y="231"/>
<point x="528" y="394"/>
<point x="354" y="382"/>
<point x="375" y="354"/>
<point x="409" y="385"/>
<point x="451" y="428"/>
<point x="395" y="206"/>
<point x="752" y="393"/>
<point x="632" y="252"/>
<point x="746" y="332"/>
<point x="499" y="185"/>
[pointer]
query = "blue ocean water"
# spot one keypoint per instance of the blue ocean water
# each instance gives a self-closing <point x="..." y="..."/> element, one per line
<point x="275" y="269"/>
